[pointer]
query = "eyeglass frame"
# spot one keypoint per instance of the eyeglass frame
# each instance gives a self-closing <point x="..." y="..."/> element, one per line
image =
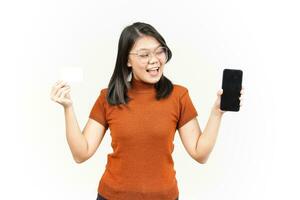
<point x="152" y="53"/>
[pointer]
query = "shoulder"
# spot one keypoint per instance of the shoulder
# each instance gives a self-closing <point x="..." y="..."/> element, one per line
<point x="179" y="90"/>
<point x="102" y="94"/>
<point x="104" y="91"/>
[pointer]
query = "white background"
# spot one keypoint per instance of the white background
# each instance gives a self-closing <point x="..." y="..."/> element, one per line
<point x="257" y="153"/>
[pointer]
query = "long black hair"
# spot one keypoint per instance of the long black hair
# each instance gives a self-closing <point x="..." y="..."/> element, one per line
<point x="118" y="84"/>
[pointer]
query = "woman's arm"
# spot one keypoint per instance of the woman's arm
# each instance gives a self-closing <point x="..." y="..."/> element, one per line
<point x="76" y="140"/>
<point x="199" y="145"/>
<point x="206" y="141"/>
<point x="82" y="145"/>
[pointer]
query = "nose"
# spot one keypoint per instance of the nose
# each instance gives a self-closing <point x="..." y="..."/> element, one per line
<point x="153" y="59"/>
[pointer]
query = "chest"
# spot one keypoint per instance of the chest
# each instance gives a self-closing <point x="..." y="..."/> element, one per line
<point x="144" y="120"/>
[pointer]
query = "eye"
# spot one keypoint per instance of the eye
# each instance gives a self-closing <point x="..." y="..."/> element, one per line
<point x="143" y="55"/>
<point x="160" y="51"/>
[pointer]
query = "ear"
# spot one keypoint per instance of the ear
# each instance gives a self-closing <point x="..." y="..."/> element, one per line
<point x="129" y="64"/>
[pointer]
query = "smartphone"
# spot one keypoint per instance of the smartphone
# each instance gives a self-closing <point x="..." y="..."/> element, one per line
<point x="231" y="85"/>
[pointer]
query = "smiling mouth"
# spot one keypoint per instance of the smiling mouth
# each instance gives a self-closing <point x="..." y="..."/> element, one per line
<point x="153" y="69"/>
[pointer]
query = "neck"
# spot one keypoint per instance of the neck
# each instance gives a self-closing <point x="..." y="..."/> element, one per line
<point x="141" y="86"/>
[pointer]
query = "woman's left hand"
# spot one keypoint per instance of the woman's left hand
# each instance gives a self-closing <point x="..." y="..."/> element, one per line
<point x="216" y="108"/>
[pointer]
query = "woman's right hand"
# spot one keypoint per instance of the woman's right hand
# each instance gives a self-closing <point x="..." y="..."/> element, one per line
<point x="60" y="94"/>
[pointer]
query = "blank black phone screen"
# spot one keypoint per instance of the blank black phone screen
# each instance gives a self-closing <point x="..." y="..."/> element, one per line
<point x="231" y="85"/>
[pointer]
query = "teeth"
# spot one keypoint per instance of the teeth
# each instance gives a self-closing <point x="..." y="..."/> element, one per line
<point x="156" y="68"/>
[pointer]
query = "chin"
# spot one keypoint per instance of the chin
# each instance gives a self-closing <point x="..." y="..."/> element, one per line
<point x="154" y="79"/>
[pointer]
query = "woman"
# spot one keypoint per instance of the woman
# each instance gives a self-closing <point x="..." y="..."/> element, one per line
<point x="143" y="110"/>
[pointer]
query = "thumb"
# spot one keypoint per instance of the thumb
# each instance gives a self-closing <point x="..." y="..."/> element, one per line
<point x="220" y="92"/>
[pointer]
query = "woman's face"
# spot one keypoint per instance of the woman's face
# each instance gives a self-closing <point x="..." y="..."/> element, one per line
<point x="144" y="68"/>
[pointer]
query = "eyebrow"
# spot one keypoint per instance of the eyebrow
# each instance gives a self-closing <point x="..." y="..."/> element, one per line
<point x="149" y="49"/>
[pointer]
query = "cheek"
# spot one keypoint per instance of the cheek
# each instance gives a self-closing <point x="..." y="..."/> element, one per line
<point x="161" y="69"/>
<point x="138" y="66"/>
<point x="138" y="69"/>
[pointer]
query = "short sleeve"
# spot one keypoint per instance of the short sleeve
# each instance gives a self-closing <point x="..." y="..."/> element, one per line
<point x="187" y="110"/>
<point x="98" y="111"/>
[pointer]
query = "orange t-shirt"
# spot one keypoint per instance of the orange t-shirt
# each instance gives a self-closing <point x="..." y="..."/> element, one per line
<point x="142" y="132"/>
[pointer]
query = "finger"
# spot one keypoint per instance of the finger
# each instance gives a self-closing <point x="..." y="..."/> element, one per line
<point x="59" y="92"/>
<point x="242" y="91"/>
<point x="62" y="90"/>
<point x="222" y="111"/>
<point x="220" y="92"/>
<point x="57" y="86"/>
<point x="67" y="95"/>
<point x="61" y="98"/>
<point x="53" y="89"/>
<point x="59" y="81"/>
<point x="60" y="86"/>
<point x="56" y="92"/>
<point x="63" y="94"/>
<point x="241" y="102"/>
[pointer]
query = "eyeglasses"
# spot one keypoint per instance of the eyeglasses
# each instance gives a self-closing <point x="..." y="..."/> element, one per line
<point x="144" y="55"/>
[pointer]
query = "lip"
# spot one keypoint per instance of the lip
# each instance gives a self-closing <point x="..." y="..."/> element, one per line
<point x="152" y="68"/>
<point x="156" y="75"/>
